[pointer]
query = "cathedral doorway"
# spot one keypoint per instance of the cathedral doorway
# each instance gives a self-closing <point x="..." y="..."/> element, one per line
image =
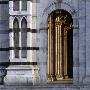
<point x="60" y="46"/>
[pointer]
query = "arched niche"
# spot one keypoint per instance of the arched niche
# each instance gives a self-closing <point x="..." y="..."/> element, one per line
<point x="60" y="46"/>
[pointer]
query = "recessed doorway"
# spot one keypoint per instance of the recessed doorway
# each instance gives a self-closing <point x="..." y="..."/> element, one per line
<point x="60" y="46"/>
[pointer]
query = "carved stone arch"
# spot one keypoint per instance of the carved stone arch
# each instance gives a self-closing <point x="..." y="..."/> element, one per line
<point x="60" y="46"/>
<point x="24" y="20"/>
<point x="44" y="24"/>
<point x="17" y="19"/>
<point x="21" y="18"/>
<point x="54" y="6"/>
<point x="24" y="17"/>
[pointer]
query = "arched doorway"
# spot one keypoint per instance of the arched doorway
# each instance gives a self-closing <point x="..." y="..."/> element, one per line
<point x="60" y="46"/>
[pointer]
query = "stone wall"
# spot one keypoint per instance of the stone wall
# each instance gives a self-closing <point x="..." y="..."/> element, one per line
<point x="44" y="8"/>
<point x="4" y="37"/>
<point x="80" y="11"/>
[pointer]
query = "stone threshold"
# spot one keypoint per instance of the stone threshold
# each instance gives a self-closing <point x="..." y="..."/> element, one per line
<point x="62" y="81"/>
<point x="45" y="86"/>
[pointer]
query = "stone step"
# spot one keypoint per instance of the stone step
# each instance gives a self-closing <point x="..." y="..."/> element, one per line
<point x="46" y="87"/>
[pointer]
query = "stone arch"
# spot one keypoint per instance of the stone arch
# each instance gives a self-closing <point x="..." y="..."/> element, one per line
<point x="43" y="28"/>
<point x="16" y="21"/>
<point x="15" y="18"/>
<point x="24" y="20"/>
<point x="54" y="6"/>
<point x="60" y="35"/>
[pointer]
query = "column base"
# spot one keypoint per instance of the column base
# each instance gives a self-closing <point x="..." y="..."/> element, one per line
<point x="51" y="78"/>
<point x="59" y="77"/>
<point x="66" y="76"/>
<point x="20" y="75"/>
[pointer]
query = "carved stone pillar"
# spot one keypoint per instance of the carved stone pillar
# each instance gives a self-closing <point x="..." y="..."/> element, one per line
<point x="51" y="51"/>
<point x="58" y="47"/>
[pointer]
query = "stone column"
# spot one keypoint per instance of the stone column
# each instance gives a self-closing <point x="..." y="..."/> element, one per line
<point x="59" y="52"/>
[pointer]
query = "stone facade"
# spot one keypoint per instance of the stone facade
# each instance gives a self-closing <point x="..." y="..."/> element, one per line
<point x="36" y="16"/>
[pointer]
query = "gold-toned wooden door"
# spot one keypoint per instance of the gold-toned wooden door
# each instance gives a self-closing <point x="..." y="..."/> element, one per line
<point x="60" y="46"/>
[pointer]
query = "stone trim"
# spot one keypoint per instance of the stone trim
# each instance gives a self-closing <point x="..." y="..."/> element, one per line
<point x="14" y="30"/>
<point x="19" y="48"/>
<point x="24" y="48"/>
<point x="43" y="28"/>
<point x="28" y="30"/>
<point x="17" y="63"/>
<point x="19" y="0"/>
<point x="4" y="2"/>
<point x="4" y="49"/>
<point x="32" y="30"/>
